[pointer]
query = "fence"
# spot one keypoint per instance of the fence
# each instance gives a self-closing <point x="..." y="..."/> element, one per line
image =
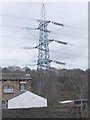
<point x="44" y="112"/>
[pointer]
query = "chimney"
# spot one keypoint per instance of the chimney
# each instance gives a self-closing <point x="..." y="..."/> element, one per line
<point x="27" y="72"/>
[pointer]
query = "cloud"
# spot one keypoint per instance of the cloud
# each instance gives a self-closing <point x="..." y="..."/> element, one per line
<point x="73" y="14"/>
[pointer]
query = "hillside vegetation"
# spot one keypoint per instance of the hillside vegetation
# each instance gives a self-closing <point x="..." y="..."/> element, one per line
<point x="56" y="85"/>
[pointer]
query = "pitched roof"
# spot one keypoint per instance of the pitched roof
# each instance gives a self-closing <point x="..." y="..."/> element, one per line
<point x="15" y="95"/>
<point x="15" y="76"/>
<point x="27" y="92"/>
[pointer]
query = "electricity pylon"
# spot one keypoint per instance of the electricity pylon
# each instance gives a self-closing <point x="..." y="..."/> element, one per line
<point x="43" y="48"/>
<point x="43" y="62"/>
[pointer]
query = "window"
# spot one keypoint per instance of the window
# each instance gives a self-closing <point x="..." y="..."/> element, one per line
<point x="4" y="104"/>
<point x="22" y="86"/>
<point x="8" y="89"/>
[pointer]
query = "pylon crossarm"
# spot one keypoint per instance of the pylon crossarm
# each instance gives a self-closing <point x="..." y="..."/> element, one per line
<point x="29" y="47"/>
<point x="56" y="23"/>
<point x="27" y="28"/>
<point x="60" y="42"/>
<point x="58" y="62"/>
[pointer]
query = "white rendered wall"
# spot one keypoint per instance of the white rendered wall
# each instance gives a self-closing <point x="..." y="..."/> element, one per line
<point x="27" y="100"/>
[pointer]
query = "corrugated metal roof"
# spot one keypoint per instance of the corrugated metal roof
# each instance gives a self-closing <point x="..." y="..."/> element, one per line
<point x="67" y="101"/>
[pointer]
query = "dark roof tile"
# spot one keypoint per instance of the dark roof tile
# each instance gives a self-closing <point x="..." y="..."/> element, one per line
<point x="15" y="76"/>
<point x="15" y="95"/>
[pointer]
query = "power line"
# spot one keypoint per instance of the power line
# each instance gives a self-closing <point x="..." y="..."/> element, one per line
<point x="18" y="60"/>
<point x="60" y="42"/>
<point x="17" y="17"/>
<point x="65" y="25"/>
<point x="55" y="31"/>
<point x="75" y="65"/>
<point x="65" y="54"/>
<point x="14" y="27"/>
<point x="73" y="44"/>
<point x="55" y="23"/>
<point x="33" y="35"/>
<point x="41" y="24"/>
<point x="67" y="43"/>
<point x="69" y="26"/>
<point x="29" y="53"/>
<point x="27" y="28"/>
<point x="30" y="64"/>
<point x="78" y="28"/>
<point x="18" y="27"/>
<point x="8" y="36"/>
<point x="70" y="35"/>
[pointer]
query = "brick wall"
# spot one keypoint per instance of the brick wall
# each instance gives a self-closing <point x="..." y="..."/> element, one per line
<point x="0" y="99"/>
<point x="15" y="84"/>
<point x="29" y="85"/>
<point x="0" y="94"/>
<point x="46" y="112"/>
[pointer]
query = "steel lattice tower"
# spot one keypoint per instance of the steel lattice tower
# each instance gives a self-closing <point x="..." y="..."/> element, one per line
<point x="43" y="48"/>
<point x="43" y="51"/>
<point x="43" y="62"/>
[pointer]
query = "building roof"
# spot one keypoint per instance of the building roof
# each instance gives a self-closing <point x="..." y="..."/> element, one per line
<point x="15" y="95"/>
<point x="66" y="101"/>
<point x="26" y="99"/>
<point x="70" y="101"/>
<point x="15" y="76"/>
<point x="26" y="92"/>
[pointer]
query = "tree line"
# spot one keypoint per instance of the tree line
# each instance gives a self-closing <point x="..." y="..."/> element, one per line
<point x="58" y="84"/>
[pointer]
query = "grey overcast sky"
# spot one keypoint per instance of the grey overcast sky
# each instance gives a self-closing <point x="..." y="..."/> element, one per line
<point x="24" y="14"/>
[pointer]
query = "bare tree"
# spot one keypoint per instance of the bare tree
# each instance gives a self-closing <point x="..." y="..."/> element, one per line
<point x="80" y="88"/>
